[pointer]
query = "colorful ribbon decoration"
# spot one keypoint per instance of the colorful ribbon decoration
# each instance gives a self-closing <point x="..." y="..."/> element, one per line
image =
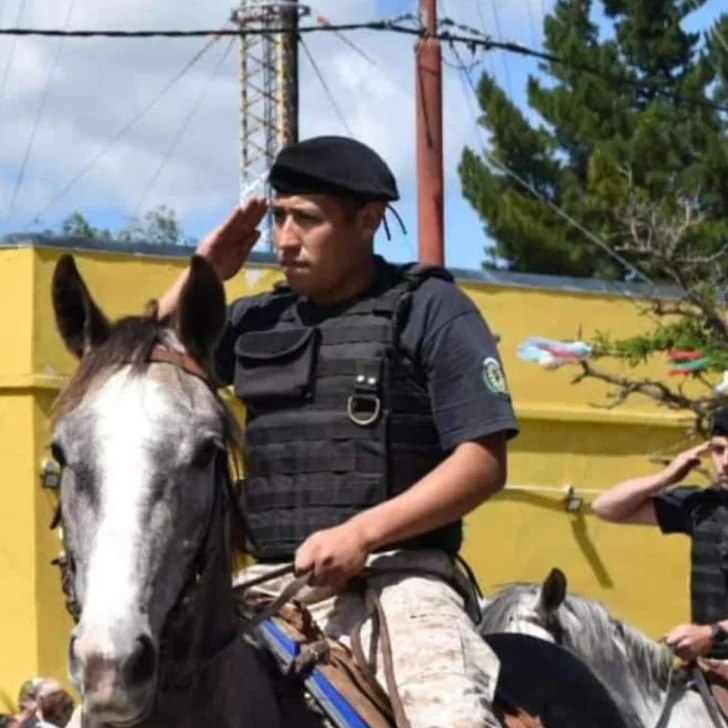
<point x="551" y="354"/>
<point x="685" y="362"/>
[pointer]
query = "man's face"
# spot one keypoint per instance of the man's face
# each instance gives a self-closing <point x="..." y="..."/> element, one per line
<point x="320" y="240"/>
<point x="719" y="453"/>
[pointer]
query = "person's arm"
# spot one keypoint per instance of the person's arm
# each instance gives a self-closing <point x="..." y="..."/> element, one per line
<point x="226" y="248"/>
<point x="169" y="301"/>
<point x="474" y="418"/>
<point x="474" y="472"/>
<point x="473" y="414"/>
<point x="633" y="501"/>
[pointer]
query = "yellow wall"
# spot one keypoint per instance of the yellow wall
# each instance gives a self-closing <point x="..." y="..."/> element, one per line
<point x="18" y="533"/>
<point x="640" y="573"/>
<point x="519" y="535"/>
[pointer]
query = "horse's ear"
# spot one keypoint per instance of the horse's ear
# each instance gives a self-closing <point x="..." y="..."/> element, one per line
<point x="553" y="591"/>
<point x="201" y="314"/>
<point x="79" y="320"/>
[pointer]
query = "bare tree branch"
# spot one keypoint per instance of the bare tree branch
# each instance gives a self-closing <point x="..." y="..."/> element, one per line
<point x="622" y="388"/>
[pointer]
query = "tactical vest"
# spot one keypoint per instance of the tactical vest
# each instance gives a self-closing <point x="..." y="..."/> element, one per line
<point x="709" y="561"/>
<point x="338" y="419"/>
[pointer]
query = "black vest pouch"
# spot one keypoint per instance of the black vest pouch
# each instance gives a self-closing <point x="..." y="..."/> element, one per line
<point x="275" y="365"/>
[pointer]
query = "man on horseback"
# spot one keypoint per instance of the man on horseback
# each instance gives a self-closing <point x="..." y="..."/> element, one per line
<point x="701" y="514"/>
<point x="377" y="417"/>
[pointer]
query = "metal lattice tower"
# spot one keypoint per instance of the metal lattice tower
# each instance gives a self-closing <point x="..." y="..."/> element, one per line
<point x="269" y="90"/>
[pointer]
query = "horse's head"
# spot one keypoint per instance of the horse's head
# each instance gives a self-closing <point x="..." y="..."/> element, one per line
<point x="529" y="609"/>
<point x="140" y="437"/>
<point x="628" y="663"/>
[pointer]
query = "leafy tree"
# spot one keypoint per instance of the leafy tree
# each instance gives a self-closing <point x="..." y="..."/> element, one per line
<point x="603" y="146"/>
<point x="77" y="226"/>
<point x="689" y="315"/>
<point x="159" y="226"/>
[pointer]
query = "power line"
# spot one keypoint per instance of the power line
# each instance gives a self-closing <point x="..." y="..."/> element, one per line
<point x="11" y="53"/>
<point x="124" y="129"/>
<point x="52" y="32"/>
<point x="493" y="161"/>
<point x="327" y="90"/>
<point x="185" y="123"/>
<point x="499" y="32"/>
<point x="474" y="39"/>
<point x="488" y="44"/>
<point x="39" y="113"/>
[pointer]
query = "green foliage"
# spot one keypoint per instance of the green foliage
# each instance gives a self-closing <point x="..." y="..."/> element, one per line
<point x="598" y="146"/>
<point x="159" y="226"/>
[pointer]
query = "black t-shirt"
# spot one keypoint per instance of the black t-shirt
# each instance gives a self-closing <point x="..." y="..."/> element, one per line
<point x="447" y="337"/>
<point x="700" y="513"/>
<point x="674" y="508"/>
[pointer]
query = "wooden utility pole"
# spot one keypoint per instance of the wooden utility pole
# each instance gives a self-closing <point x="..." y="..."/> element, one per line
<point x="431" y="182"/>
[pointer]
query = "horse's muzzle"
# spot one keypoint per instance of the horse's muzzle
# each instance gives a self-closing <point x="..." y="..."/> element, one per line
<point x="116" y="677"/>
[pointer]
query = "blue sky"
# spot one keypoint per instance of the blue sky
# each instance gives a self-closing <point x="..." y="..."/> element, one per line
<point x="97" y="86"/>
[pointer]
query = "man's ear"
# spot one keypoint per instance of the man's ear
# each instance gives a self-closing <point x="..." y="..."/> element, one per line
<point x="370" y="217"/>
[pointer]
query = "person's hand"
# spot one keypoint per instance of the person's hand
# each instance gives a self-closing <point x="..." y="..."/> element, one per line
<point x="334" y="555"/>
<point x="686" y="461"/>
<point x="690" y="641"/>
<point x="228" y="245"/>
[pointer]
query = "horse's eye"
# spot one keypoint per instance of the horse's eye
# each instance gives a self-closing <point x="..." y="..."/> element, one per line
<point x="205" y="453"/>
<point x="57" y="454"/>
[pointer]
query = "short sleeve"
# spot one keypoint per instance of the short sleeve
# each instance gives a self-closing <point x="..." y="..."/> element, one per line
<point x="674" y="508"/>
<point x="458" y="355"/>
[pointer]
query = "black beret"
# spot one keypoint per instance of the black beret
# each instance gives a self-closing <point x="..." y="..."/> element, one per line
<point x="719" y="426"/>
<point x="329" y="165"/>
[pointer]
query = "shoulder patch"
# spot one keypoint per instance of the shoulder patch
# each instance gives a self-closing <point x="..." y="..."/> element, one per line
<point x="493" y="376"/>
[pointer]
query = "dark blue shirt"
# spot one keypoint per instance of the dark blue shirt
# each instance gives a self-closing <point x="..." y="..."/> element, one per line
<point x="448" y="339"/>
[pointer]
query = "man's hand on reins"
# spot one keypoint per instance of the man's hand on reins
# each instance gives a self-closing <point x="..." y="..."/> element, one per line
<point x="690" y="641"/>
<point x="334" y="555"/>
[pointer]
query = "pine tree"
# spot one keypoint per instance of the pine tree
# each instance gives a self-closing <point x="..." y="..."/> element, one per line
<point x="601" y="147"/>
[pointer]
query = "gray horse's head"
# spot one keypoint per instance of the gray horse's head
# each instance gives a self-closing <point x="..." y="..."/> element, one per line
<point x="138" y="440"/>
<point x="630" y="664"/>
<point x="532" y="609"/>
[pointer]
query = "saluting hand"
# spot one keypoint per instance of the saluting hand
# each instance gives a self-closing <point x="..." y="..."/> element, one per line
<point x="690" y="641"/>
<point x="686" y="461"/>
<point x="229" y="244"/>
<point x="334" y="555"/>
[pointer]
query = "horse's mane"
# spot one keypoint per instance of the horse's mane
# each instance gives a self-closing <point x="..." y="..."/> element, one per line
<point x="130" y="343"/>
<point x="646" y="658"/>
<point x="643" y="656"/>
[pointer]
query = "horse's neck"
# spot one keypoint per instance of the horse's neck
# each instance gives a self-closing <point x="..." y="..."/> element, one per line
<point x="685" y="708"/>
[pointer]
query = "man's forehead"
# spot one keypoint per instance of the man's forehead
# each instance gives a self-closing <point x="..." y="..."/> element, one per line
<point x="719" y="441"/>
<point x="288" y="202"/>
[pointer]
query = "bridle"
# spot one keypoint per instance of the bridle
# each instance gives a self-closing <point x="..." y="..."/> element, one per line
<point x="179" y="676"/>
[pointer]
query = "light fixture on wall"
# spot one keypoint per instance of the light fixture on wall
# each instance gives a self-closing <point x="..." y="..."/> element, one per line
<point x="50" y="474"/>
<point x="573" y="502"/>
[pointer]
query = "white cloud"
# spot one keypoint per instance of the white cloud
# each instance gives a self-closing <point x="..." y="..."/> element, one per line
<point x="99" y="84"/>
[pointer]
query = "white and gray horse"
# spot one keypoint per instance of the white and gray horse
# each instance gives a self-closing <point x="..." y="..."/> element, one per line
<point x="141" y="436"/>
<point x="635" y="669"/>
<point x="148" y="514"/>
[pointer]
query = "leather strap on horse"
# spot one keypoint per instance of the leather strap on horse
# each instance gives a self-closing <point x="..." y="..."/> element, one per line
<point x="161" y="354"/>
<point x="379" y="626"/>
<point x="711" y="704"/>
<point x="72" y="605"/>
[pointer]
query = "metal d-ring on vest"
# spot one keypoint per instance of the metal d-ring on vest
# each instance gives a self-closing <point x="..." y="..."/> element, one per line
<point x="366" y="391"/>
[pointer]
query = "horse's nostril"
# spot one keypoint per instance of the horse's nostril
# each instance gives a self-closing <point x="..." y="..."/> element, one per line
<point x="139" y="668"/>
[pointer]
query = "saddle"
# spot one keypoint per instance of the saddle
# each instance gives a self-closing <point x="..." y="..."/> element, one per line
<point x="339" y="679"/>
<point x="343" y="687"/>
